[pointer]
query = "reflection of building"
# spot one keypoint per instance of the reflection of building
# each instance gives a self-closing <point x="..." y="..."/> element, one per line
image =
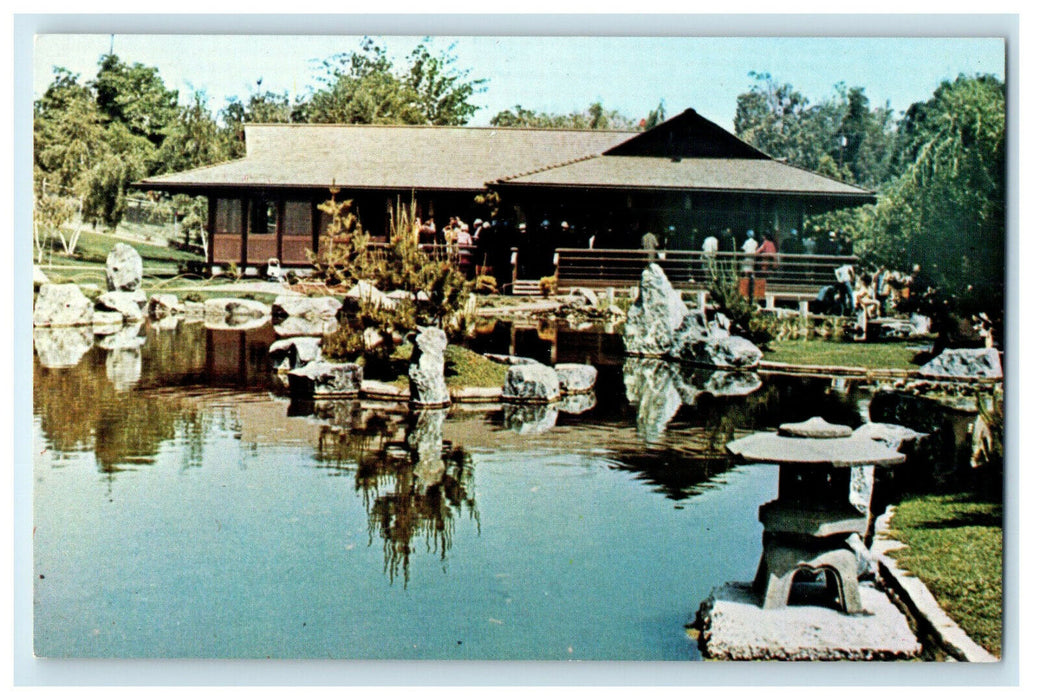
<point x="685" y="174"/>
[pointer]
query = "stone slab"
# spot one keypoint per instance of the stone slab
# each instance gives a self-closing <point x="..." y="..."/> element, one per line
<point x="735" y="628"/>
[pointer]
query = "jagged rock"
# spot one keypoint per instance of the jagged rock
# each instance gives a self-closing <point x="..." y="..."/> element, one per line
<point x="368" y="293"/>
<point x="575" y="404"/>
<point x="730" y="351"/>
<point x="426" y="371"/>
<point x="123" y="302"/>
<point x="161" y="306"/>
<point x="965" y="363"/>
<point x="106" y="322"/>
<point x="530" y="419"/>
<point x="891" y="435"/>
<point x="325" y="379"/>
<point x="511" y="359"/>
<point x="61" y="347"/>
<point x="733" y="383"/>
<point x="123" y="367"/>
<point x="62" y="305"/>
<point x="584" y="296"/>
<point x="531" y="384"/>
<point x="294" y="352"/>
<point x="693" y="331"/>
<point x="576" y="378"/>
<point x="123" y="269"/>
<point x="288" y="305"/>
<point x="128" y="336"/>
<point x="654" y="316"/>
<point x="297" y="326"/>
<point x="235" y="312"/>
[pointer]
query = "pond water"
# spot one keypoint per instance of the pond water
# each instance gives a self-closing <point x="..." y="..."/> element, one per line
<point x="184" y="507"/>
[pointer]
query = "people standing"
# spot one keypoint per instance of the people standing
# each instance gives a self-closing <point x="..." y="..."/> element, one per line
<point x="750" y="246"/>
<point x="865" y="304"/>
<point x="846" y="276"/>
<point x="766" y="255"/>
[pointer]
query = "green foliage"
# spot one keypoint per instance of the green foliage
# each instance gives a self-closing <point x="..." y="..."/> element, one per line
<point x="363" y="87"/>
<point x="436" y="290"/>
<point x="596" y="116"/>
<point x="485" y="284"/>
<point x="946" y="211"/>
<point x="547" y="286"/>
<point x="746" y="319"/>
<point x="344" y="255"/>
<point x="841" y="137"/>
<point x="135" y="96"/>
<point x="655" y="117"/>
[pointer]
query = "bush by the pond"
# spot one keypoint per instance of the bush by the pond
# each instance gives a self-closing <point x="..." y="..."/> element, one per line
<point x="436" y="290"/>
<point x="746" y="318"/>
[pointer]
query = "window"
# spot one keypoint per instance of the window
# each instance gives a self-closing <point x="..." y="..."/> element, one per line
<point x="264" y="216"/>
<point x="297" y="220"/>
<point x="228" y="217"/>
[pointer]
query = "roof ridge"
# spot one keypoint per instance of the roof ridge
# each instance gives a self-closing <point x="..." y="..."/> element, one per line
<point x="551" y="166"/>
<point x="464" y="127"/>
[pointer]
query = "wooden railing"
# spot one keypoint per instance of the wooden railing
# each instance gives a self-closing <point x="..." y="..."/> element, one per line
<point x="691" y="269"/>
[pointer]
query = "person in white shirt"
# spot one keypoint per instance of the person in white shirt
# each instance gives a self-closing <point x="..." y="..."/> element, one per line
<point x="749" y="248"/>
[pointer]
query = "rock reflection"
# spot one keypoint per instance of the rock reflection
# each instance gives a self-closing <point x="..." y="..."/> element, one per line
<point x="413" y="482"/>
<point x="62" y="347"/>
<point x="530" y="419"/>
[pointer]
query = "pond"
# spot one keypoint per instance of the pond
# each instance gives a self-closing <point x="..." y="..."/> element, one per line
<point x="184" y="507"/>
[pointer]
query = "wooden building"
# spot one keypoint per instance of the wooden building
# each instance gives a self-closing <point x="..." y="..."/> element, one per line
<point x="687" y="173"/>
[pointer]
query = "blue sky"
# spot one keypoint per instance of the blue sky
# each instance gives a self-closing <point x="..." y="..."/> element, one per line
<point x="557" y="74"/>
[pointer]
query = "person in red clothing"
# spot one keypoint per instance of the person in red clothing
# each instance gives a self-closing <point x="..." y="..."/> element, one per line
<point x="765" y="254"/>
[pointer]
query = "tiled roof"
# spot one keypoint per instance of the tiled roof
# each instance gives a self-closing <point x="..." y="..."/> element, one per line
<point x="390" y="157"/>
<point x="698" y="174"/>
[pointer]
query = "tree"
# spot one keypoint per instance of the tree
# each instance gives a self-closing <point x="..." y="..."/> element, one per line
<point x="362" y="87"/>
<point x="261" y="108"/>
<point x="946" y="212"/>
<point x="842" y="137"/>
<point x="136" y="96"/>
<point x="443" y="91"/>
<point x="596" y="116"/>
<point x="191" y="140"/>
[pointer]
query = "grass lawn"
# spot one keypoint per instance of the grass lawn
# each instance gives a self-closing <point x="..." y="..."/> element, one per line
<point x="893" y="355"/>
<point x="462" y="368"/>
<point x="95" y="247"/>
<point x="954" y="545"/>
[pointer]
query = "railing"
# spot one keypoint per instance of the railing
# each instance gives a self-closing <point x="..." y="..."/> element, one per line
<point x="691" y="269"/>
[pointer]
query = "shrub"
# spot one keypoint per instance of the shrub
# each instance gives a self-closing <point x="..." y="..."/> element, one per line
<point x="485" y="284"/>
<point x="436" y="289"/>
<point x="746" y="319"/>
<point x="547" y="286"/>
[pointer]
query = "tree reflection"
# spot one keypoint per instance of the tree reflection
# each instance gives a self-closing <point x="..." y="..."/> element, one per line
<point x="414" y="484"/>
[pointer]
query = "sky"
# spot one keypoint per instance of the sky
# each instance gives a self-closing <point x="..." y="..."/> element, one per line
<point x="556" y="74"/>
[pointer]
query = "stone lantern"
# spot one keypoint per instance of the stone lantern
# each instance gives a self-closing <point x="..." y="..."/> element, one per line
<point x="807" y="526"/>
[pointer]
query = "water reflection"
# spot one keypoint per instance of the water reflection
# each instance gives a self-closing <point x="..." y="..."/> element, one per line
<point x="413" y="482"/>
<point x="115" y="394"/>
